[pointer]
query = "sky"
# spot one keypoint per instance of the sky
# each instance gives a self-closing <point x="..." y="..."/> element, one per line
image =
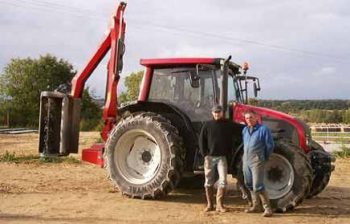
<point x="299" y="49"/>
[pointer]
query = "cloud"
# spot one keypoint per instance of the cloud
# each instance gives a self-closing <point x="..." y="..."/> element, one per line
<point x="326" y="71"/>
<point x="298" y="49"/>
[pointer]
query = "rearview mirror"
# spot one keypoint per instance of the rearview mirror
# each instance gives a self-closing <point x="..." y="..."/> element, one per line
<point x="255" y="90"/>
<point x="256" y="86"/>
<point x="194" y="80"/>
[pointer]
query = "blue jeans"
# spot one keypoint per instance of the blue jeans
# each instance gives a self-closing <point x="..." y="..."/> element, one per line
<point x="212" y="163"/>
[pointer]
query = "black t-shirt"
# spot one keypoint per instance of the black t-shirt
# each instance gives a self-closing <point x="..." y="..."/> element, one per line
<point x="217" y="137"/>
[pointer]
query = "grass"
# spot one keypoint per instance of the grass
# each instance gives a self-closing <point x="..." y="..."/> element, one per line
<point x="99" y="140"/>
<point x="343" y="153"/>
<point x="337" y="134"/>
<point x="29" y="159"/>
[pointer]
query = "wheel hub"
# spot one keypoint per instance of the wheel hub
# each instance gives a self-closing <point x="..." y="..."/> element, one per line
<point x="146" y="156"/>
<point x="279" y="176"/>
<point x="137" y="156"/>
<point x="275" y="174"/>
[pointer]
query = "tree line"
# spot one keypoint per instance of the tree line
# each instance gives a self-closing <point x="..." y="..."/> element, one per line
<point x="314" y="111"/>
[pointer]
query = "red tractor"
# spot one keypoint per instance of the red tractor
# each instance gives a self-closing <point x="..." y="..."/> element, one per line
<point x="151" y="143"/>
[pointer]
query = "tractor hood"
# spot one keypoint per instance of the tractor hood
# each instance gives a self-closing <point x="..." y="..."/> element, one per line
<point x="281" y="125"/>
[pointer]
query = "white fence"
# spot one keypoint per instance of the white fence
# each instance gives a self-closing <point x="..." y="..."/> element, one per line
<point x="330" y="128"/>
<point x="332" y="136"/>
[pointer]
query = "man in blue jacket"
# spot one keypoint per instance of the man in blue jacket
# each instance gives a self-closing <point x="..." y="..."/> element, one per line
<point x="258" y="145"/>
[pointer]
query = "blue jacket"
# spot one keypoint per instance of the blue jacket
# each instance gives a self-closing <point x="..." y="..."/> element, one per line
<point x="258" y="144"/>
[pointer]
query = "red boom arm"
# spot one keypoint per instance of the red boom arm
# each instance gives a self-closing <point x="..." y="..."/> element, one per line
<point x="114" y="41"/>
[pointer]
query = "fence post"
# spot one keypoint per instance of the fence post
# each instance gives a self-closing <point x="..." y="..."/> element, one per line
<point x="8" y="119"/>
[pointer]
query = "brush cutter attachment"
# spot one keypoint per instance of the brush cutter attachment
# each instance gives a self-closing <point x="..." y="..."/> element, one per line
<point x="58" y="124"/>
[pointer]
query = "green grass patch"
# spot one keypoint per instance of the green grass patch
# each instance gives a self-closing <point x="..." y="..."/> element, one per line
<point x="29" y="159"/>
<point x="336" y="134"/>
<point x="337" y="137"/>
<point x="343" y="153"/>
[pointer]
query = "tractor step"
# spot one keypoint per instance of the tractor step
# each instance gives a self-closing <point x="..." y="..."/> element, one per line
<point x="94" y="154"/>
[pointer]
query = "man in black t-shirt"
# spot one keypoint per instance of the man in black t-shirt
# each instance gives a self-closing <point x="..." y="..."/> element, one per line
<point x="216" y="142"/>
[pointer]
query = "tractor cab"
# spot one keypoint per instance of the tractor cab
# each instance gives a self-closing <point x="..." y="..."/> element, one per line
<point x="194" y="85"/>
<point x="192" y="92"/>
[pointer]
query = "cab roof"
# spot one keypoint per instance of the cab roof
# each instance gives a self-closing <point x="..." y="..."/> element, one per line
<point x="177" y="61"/>
<point x="164" y="62"/>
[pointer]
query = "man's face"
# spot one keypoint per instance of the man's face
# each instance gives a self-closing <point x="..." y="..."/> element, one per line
<point x="250" y="119"/>
<point x="217" y="115"/>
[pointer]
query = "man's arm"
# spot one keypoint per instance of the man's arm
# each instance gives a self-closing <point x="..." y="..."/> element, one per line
<point x="237" y="134"/>
<point x="268" y="142"/>
<point x="203" y="141"/>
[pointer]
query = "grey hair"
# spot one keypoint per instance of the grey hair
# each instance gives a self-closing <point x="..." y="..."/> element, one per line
<point x="249" y="112"/>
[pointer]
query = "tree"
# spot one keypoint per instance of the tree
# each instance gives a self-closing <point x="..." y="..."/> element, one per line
<point x="346" y="116"/>
<point x="22" y="81"/>
<point x="132" y="83"/>
<point x="253" y="101"/>
<point x="90" y="112"/>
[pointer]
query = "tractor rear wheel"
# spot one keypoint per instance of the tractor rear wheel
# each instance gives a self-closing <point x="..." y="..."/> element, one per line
<point x="144" y="156"/>
<point x="288" y="177"/>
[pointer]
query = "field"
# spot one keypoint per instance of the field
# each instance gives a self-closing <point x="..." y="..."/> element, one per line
<point x="332" y="137"/>
<point x="69" y="191"/>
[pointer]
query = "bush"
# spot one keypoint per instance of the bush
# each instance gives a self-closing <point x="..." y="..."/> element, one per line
<point x="89" y="124"/>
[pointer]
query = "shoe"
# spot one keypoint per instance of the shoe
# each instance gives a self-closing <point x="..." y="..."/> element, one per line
<point x="256" y="204"/>
<point x="210" y="199"/>
<point x="266" y="204"/>
<point x="220" y="199"/>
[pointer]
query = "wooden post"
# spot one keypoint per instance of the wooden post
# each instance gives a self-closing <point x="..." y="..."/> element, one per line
<point x="8" y="119"/>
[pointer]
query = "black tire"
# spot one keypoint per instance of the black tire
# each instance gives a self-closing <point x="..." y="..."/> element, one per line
<point x="237" y="171"/>
<point x="293" y="194"/>
<point x="240" y="186"/>
<point x="322" y="167"/>
<point x="157" y="134"/>
<point x="302" y="176"/>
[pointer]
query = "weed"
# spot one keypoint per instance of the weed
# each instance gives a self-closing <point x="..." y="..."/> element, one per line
<point x="99" y="140"/>
<point x="13" y="158"/>
<point x="343" y="153"/>
<point x="8" y="157"/>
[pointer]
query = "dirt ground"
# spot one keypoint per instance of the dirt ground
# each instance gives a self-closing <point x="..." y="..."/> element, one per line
<point x="80" y="193"/>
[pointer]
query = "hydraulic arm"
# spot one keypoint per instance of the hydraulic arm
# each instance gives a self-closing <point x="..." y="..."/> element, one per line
<point x="60" y="113"/>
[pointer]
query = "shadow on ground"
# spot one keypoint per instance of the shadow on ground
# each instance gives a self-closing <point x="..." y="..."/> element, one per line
<point x="334" y="201"/>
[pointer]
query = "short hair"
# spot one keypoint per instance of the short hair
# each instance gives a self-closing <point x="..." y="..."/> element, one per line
<point x="249" y="112"/>
<point x="217" y="108"/>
